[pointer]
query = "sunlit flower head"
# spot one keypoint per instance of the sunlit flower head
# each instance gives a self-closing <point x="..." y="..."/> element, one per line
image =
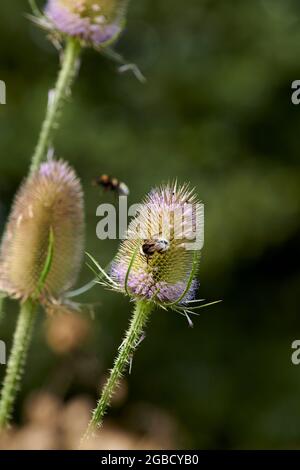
<point x="49" y="202"/>
<point x="159" y="258"/>
<point x="94" y="22"/>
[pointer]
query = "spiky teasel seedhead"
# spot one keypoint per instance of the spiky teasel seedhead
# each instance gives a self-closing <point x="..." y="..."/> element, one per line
<point x="48" y="210"/>
<point x="94" y="22"/>
<point x="157" y="261"/>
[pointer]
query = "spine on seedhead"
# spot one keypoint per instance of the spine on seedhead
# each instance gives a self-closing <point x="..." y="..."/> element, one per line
<point x="47" y="215"/>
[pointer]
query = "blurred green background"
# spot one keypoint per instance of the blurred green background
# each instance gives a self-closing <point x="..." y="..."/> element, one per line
<point x="216" y="111"/>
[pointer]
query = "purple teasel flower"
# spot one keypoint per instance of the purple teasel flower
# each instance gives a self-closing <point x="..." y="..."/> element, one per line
<point x="168" y="215"/>
<point x="93" y="22"/>
<point x="156" y="265"/>
<point x="158" y="261"/>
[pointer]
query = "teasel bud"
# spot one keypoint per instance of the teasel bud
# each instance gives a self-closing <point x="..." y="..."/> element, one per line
<point x="94" y="22"/>
<point x="47" y="208"/>
<point x="159" y="258"/>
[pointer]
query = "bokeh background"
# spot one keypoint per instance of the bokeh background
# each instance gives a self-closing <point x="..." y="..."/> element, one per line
<point x="216" y="111"/>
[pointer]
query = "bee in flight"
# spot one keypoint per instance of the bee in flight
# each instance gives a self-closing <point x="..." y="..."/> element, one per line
<point x="155" y="245"/>
<point x="112" y="184"/>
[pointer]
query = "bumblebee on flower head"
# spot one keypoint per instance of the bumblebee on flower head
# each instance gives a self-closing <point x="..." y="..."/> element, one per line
<point x="112" y="184"/>
<point x="155" y="245"/>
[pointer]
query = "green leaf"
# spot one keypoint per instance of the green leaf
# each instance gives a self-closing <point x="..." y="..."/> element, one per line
<point x="129" y="269"/>
<point x="35" y="9"/>
<point x="47" y="265"/>
<point x="102" y="271"/>
<point x="189" y="283"/>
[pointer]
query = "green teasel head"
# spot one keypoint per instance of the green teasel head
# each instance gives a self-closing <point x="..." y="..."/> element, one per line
<point x="46" y="221"/>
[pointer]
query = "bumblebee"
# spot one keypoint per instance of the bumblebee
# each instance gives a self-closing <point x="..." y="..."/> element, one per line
<point x="156" y="245"/>
<point x="109" y="183"/>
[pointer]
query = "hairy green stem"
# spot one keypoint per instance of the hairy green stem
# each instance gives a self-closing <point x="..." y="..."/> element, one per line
<point x="126" y="350"/>
<point x="2" y="307"/>
<point x="16" y="363"/>
<point x="58" y="95"/>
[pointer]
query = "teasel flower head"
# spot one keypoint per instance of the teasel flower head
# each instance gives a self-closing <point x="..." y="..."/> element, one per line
<point x="42" y="247"/>
<point x="156" y="265"/>
<point x="94" y="23"/>
<point x="158" y="260"/>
